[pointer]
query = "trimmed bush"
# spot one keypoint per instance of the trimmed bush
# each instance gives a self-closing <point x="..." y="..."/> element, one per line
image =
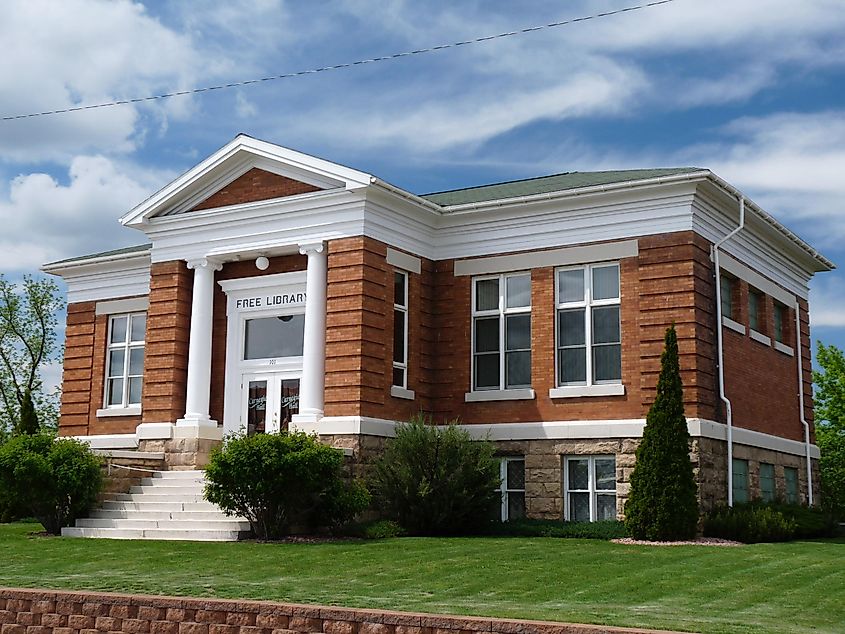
<point x="282" y="482"/>
<point x="750" y="524"/>
<point x="55" y="480"/>
<point x="605" y="529"/>
<point x="377" y="529"/>
<point x="437" y="480"/>
<point x="663" y="504"/>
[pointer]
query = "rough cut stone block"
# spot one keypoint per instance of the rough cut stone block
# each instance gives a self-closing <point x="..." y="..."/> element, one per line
<point x="272" y="621"/>
<point x="375" y="628"/>
<point x="242" y="618"/>
<point x="191" y="627"/>
<point x="28" y="618"/>
<point x="54" y="620"/>
<point x="338" y="627"/>
<point x="149" y="613"/>
<point x="6" y="617"/>
<point x="210" y="616"/>
<point x="95" y="609"/>
<point x="80" y="621"/>
<point x="219" y="628"/>
<point x="12" y="628"/>
<point x="107" y="623"/>
<point x="303" y="624"/>
<point x="136" y="626"/>
<point x="42" y="607"/>
<point x="164" y="627"/>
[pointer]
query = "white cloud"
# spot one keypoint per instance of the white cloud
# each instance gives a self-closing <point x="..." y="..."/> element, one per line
<point x="62" y="54"/>
<point x="45" y="220"/>
<point x="827" y="299"/>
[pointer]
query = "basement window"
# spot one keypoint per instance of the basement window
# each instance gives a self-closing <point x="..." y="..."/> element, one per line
<point x="590" y="485"/>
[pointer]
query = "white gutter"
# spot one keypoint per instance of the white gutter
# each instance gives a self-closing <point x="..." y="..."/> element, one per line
<point x="720" y="350"/>
<point x="398" y="191"/>
<point x="798" y="353"/>
<point x="58" y="268"/>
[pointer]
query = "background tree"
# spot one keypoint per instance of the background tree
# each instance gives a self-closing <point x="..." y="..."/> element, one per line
<point x="829" y="399"/>
<point x="662" y="503"/>
<point x="28" y="320"/>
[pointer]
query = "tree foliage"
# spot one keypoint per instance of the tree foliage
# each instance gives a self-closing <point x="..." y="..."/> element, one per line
<point x="437" y="480"/>
<point x="56" y="480"/>
<point x="829" y="400"/>
<point x="281" y="482"/>
<point x="662" y="503"/>
<point x="28" y="320"/>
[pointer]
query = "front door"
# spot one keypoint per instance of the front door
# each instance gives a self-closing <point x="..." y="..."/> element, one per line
<point x="269" y="402"/>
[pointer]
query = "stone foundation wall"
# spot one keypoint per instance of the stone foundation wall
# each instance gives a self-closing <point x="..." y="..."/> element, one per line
<point x="119" y="479"/>
<point x="57" y="612"/>
<point x="182" y="454"/>
<point x="713" y="476"/>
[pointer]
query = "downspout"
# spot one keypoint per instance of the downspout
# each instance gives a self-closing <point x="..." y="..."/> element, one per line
<point x="799" y="354"/>
<point x="720" y="350"/>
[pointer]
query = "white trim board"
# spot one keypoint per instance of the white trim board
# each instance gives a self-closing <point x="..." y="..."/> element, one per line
<point x="568" y="430"/>
<point x="554" y="257"/>
<point x="114" y="306"/>
<point x="756" y="280"/>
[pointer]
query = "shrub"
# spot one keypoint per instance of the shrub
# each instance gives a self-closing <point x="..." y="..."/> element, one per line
<point x="749" y="523"/>
<point x="56" y="480"/>
<point x="377" y="529"/>
<point x="605" y="529"/>
<point x="662" y="504"/>
<point x="436" y="480"/>
<point x="281" y="482"/>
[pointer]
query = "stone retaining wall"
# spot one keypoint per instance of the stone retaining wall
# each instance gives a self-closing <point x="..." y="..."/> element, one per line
<point x="119" y="480"/>
<point x="58" y="612"/>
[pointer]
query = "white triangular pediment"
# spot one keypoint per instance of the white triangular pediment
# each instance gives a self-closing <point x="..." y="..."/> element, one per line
<point x="232" y="162"/>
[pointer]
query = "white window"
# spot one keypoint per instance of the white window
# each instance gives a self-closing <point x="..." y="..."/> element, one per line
<point x="400" y="329"/>
<point x="589" y="332"/>
<point x="590" y="483"/>
<point x="125" y="360"/>
<point x="501" y="332"/>
<point x="512" y="473"/>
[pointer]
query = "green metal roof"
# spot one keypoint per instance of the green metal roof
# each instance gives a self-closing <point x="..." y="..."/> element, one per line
<point x="138" y="248"/>
<point x="546" y="184"/>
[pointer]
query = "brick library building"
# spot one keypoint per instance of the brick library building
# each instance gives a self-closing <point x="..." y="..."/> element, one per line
<point x="276" y="290"/>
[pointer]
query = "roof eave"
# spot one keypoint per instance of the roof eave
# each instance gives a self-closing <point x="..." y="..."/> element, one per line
<point x="63" y="267"/>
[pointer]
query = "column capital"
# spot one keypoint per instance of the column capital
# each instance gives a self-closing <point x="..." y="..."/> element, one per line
<point x="307" y="248"/>
<point x="204" y="263"/>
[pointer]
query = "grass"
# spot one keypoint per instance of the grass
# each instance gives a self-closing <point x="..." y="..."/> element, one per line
<point x="789" y="588"/>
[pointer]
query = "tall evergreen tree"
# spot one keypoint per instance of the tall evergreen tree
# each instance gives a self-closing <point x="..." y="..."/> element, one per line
<point x="28" y="420"/>
<point x="662" y="503"/>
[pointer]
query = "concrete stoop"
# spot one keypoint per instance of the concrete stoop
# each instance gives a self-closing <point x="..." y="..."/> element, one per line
<point x="167" y="506"/>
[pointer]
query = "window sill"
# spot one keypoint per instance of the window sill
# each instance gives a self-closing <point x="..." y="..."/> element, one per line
<point x="401" y="392"/>
<point x="780" y="347"/>
<point x="733" y="325"/>
<point x="110" y="412"/>
<point x="574" y="391"/>
<point x="759" y="337"/>
<point x="524" y="394"/>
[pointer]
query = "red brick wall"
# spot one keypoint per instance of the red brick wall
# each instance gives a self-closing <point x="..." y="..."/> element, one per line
<point x="77" y="371"/>
<point x="761" y="382"/>
<point x="166" y="351"/>
<point x="58" y="612"/>
<point x="83" y="376"/>
<point x="256" y="184"/>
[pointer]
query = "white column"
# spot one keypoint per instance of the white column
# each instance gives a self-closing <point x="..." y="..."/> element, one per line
<point x="199" y="346"/>
<point x="312" y="385"/>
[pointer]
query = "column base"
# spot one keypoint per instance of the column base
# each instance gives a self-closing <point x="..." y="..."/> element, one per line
<point x="306" y="421"/>
<point x="197" y="426"/>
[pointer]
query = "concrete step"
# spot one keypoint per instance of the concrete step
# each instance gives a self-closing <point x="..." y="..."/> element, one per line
<point x="179" y="475"/>
<point x="121" y="505"/>
<point x="191" y="491"/>
<point x="154" y="497"/>
<point x="198" y="516"/>
<point x="167" y="483"/>
<point x="153" y="533"/>
<point x="187" y="525"/>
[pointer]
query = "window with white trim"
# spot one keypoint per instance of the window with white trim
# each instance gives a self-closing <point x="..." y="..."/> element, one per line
<point x="400" y="329"/>
<point x="125" y="360"/>
<point x="589" y="330"/>
<point x="726" y="292"/>
<point x="501" y="332"/>
<point x="512" y="488"/>
<point x="590" y="485"/>
<point x="781" y="319"/>
<point x="756" y="310"/>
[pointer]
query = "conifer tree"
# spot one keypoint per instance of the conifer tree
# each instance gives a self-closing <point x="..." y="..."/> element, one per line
<point x="28" y="421"/>
<point x="662" y="503"/>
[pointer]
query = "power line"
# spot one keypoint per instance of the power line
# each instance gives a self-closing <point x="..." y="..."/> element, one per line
<point x="323" y="69"/>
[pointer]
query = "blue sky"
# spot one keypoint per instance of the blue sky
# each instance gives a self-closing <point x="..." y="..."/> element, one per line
<point x="752" y="90"/>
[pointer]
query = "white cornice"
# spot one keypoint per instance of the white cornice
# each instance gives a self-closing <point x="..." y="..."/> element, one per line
<point x="106" y="278"/>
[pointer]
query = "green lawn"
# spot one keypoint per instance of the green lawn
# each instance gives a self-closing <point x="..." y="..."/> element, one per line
<point x="789" y="588"/>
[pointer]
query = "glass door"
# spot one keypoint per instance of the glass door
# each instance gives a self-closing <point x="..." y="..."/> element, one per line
<point x="269" y="402"/>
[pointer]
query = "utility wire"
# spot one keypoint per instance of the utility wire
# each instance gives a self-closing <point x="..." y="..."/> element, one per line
<point x="323" y="69"/>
